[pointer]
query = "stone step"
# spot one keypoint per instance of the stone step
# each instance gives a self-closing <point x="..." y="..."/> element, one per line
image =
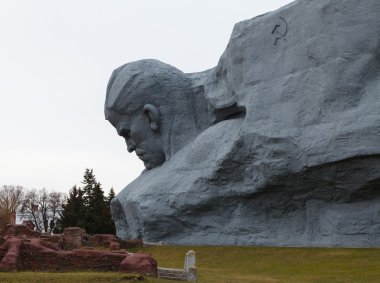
<point x="173" y="278"/>
<point x="172" y="274"/>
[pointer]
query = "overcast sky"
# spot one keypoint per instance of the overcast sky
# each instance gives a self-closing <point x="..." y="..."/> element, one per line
<point x="55" y="61"/>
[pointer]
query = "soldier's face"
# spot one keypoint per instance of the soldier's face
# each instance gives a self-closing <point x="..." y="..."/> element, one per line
<point x="135" y="129"/>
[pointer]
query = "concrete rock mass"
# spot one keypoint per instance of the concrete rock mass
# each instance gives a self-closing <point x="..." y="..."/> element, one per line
<point x="279" y="144"/>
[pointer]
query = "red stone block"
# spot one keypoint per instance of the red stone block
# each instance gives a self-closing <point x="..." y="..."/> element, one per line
<point x="72" y="238"/>
<point x="140" y="263"/>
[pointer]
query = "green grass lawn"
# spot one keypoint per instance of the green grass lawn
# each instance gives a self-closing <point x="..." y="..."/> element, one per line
<point x="242" y="264"/>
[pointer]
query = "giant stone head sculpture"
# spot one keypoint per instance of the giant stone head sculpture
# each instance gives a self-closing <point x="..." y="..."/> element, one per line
<point x="278" y="144"/>
<point x="151" y="105"/>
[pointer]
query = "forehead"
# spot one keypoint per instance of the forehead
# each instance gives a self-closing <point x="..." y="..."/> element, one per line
<point x="119" y="83"/>
<point x="116" y="117"/>
<point x="125" y="103"/>
<point x="128" y="88"/>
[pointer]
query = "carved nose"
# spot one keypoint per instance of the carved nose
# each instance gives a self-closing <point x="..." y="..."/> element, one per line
<point x="130" y="146"/>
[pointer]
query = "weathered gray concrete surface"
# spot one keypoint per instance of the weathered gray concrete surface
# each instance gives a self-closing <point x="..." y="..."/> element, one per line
<point x="300" y="168"/>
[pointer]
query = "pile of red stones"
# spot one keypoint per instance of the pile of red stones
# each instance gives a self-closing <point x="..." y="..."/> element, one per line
<point x="21" y="248"/>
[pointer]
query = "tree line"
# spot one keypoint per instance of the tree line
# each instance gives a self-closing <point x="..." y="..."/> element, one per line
<point x="86" y="207"/>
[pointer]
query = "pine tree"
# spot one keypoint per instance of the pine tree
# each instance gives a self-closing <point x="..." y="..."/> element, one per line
<point x="109" y="224"/>
<point x="89" y="183"/>
<point x="110" y="197"/>
<point x="74" y="211"/>
<point x="95" y="221"/>
<point x="88" y="207"/>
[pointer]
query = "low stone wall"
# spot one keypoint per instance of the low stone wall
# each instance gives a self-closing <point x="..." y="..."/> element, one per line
<point x="72" y="238"/>
<point x="128" y="244"/>
<point x="105" y="240"/>
<point x="35" y="258"/>
<point x="19" y="230"/>
<point x="20" y="250"/>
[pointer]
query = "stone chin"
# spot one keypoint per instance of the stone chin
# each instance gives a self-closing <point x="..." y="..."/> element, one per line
<point x="148" y="165"/>
<point x="152" y="161"/>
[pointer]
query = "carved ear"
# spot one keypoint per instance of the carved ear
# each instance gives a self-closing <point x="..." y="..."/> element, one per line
<point x="153" y="115"/>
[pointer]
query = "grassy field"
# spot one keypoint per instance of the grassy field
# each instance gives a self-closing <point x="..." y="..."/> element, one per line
<point x="242" y="264"/>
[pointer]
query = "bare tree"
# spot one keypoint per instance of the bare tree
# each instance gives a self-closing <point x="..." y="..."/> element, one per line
<point x="42" y="208"/>
<point x="10" y="201"/>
